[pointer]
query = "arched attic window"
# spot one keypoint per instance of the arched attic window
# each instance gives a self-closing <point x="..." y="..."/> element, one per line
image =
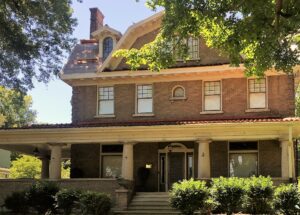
<point x="107" y="47"/>
<point x="178" y="92"/>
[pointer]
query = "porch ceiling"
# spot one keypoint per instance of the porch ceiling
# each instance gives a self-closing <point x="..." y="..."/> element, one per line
<point x="29" y="138"/>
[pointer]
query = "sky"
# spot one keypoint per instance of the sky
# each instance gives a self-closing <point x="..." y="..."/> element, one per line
<point x="52" y="101"/>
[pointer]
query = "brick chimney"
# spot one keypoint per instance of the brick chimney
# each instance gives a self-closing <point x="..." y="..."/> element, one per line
<point x="97" y="18"/>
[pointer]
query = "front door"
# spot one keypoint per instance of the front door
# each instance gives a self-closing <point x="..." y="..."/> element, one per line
<point x="176" y="167"/>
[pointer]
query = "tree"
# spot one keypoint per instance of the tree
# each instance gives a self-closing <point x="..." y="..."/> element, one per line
<point x="34" y="38"/>
<point x="15" y="108"/>
<point x="260" y="34"/>
<point x="30" y="167"/>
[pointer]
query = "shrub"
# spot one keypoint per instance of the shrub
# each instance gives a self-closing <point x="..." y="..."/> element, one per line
<point x="287" y="199"/>
<point x="17" y="203"/>
<point x="66" y="200"/>
<point x="259" y="195"/>
<point x="95" y="203"/>
<point x="228" y="193"/>
<point x="41" y="196"/>
<point x="189" y="196"/>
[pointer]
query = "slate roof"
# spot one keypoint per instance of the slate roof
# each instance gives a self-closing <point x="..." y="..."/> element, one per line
<point x="84" y="58"/>
<point x="157" y="123"/>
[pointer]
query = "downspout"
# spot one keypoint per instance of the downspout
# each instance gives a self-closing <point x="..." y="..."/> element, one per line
<point x="290" y="154"/>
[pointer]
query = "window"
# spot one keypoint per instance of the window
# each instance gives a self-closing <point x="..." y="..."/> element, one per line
<point x="193" y="48"/>
<point x="178" y="92"/>
<point x="212" y="96"/>
<point x="257" y="93"/>
<point x="243" y="159"/>
<point x="107" y="47"/>
<point x="190" y="166"/>
<point x="106" y="101"/>
<point x="144" y="99"/>
<point x="111" y="161"/>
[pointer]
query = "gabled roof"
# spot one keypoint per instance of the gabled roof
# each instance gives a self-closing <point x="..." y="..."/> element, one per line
<point x="104" y="29"/>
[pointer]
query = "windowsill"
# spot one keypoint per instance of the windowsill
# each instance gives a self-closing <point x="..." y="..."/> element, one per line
<point x="142" y="114"/>
<point x="105" y="116"/>
<point x="257" y="110"/>
<point x="212" y="112"/>
<point x="177" y="99"/>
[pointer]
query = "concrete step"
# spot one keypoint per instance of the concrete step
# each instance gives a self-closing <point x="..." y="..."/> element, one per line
<point x="142" y="212"/>
<point x="152" y="193"/>
<point x="150" y="207"/>
<point x="159" y="203"/>
<point x="150" y="199"/>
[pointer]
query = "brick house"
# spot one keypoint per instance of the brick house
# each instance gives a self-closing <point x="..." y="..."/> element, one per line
<point x="200" y="118"/>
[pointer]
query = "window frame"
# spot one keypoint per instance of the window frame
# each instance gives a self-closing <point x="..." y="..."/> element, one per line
<point x="204" y="96"/>
<point x="173" y="91"/>
<point x="103" y="46"/>
<point x="192" y="57"/>
<point x="137" y="113"/>
<point x="249" y="109"/>
<point x="103" y="154"/>
<point x="98" y="101"/>
<point x="229" y="152"/>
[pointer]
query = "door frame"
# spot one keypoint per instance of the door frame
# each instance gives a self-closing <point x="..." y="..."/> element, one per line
<point x="173" y="147"/>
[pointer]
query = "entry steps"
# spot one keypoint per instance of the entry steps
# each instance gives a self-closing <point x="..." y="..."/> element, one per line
<point x="155" y="203"/>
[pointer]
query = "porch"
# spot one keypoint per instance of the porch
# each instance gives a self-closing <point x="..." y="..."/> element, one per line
<point x="169" y="151"/>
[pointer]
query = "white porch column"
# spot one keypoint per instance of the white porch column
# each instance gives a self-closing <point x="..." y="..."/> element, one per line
<point x="55" y="162"/>
<point x="285" y="167"/>
<point x="127" y="161"/>
<point x="45" y="167"/>
<point x="203" y="159"/>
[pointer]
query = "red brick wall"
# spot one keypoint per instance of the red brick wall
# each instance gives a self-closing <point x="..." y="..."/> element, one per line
<point x="234" y="101"/>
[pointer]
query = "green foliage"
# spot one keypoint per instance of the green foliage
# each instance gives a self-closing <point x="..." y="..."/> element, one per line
<point x="67" y="200"/>
<point x="17" y="203"/>
<point x="41" y="196"/>
<point x="34" y="38"/>
<point x="249" y="32"/>
<point x="189" y="196"/>
<point x="95" y="203"/>
<point x="287" y="200"/>
<point x="15" y="108"/>
<point x="259" y="195"/>
<point x="228" y="193"/>
<point x="25" y="167"/>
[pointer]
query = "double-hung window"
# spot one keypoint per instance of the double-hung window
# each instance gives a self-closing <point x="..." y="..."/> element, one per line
<point x="106" y="101"/>
<point x="193" y="48"/>
<point x="144" y="99"/>
<point x="257" y="93"/>
<point x="212" y="96"/>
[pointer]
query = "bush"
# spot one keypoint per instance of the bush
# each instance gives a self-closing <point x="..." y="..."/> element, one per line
<point x="66" y="200"/>
<point x="259" y="195"/>
<point x="287" y="199"/>
<point x="95" y="203"/>
<point x="41" y="196"/>
<point x="189" y="196"/>
<point x="228" y="193"/>
<point x="17" y="203"/>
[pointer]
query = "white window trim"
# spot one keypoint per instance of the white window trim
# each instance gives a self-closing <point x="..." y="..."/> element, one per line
<point x="137" y="114"/>
<point x="243" y="152"/>
<point x="105" y="154"/>
<point x="265" y="109"/>
<point x="172" y="98"/>
<point x="98" y="115"/>
<point x="203" y="98"/>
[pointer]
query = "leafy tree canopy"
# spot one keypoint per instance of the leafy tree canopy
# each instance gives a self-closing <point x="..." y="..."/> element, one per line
<point x="15" y="109"/>
<point x="260" y="34"/>
<point x="34" y="37"/>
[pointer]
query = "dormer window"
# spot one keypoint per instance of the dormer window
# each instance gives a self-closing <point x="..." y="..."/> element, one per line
<point x="107" y="47"/>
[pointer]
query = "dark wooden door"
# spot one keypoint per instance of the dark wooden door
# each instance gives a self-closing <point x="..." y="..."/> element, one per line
<point x="176" y="167"/>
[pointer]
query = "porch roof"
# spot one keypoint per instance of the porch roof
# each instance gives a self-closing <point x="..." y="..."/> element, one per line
<point x="96" y="123"/>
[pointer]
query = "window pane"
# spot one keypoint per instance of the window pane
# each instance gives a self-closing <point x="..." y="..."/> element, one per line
<point x="193" y="48"/>
<point x="144" y="105"/>
<point x="111" y="166"/>
<point x="257" y="85"/>
<point x="190" y="166"/>
<point x="107" y="47"/>
<point x="212" y="102"/>
<point x="112" y="148"/>
<point x="243" y="146"/>
<point x="144" y="91"/>
<point x="257" y="100"/>
<point x="106" y="107"/>
<point x="243" y="165"/>
<point x="178" y="92"/>
<point x="212" y="88"/>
